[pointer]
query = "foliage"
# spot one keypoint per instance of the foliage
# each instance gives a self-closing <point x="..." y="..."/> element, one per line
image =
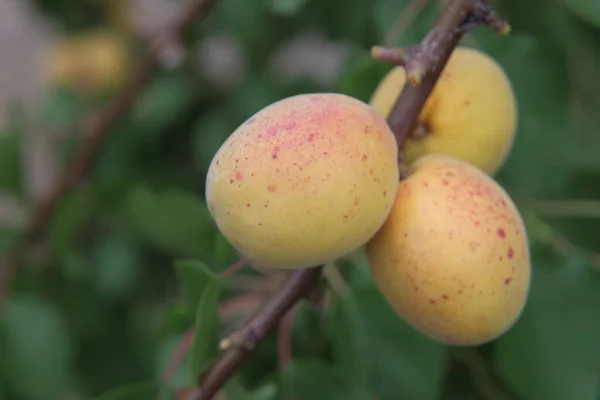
<point x="133" y="256"/>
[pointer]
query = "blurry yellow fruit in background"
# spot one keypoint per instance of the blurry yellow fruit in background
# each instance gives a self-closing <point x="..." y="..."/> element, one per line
<point x="471" y="113"/>
<point x="94" y="62"/>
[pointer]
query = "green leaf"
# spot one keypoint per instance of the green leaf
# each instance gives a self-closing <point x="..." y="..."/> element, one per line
<point x="317" y="380"/>
<point x="174" y="221"/>
<point x="346" y="335"/>
<point x="167" y="99"/>
<point x="552" y="351"/>
<point x="286" y="7"/>
<point x="206" y="337"/>
<point x="36" y="348"/>
<point x="117" y="266"/>
<point x="10" y="161"/>
<point x="386" y="13"/>
<point x="402" y="362"/>
<point x="72" y="213"/>
<point x="235" y="390"/>
<point x="588" y="10"/>
<point x="361" y="76"/>
<point x="194" y="277"/>
<point x="134" y="391"/>
<point x="542" y="114"/>
<point x="209" y="133"/>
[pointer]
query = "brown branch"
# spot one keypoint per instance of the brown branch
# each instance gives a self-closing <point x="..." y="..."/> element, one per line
<point x="429" y="58"/>
<point x="94" y="134"/>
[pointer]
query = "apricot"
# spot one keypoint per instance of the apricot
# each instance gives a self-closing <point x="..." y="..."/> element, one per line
<point x="452" y="258"/>
<point x="92" y="62"/>
<point x="304" y="181"/>
<point x="471" y="113"/>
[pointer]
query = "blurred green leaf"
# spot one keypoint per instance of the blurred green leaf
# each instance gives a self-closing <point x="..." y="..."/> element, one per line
<point x="169" y="96"/>
<point x="70" y="217"/>
<point x="134" y="391"/>
<point x="542" y="113"/>
<point x="552" y="351"/>
<point x="346" y="337"/>
<point x="194" y="277"/>
<point x="209" y="133"/>
<point x="286" y="7"/>
<point x="235" y="390"/>
<point x="62" y="107"/>
<point x="386" y="13"/>
<point x="206" y="337"/>
<point x="10" y="160"/>
<point x="173" y="220"/>
<point x="361" y="76"/>
<point x="117" y="266"/>
<point x="317" y="380"/>
<point x="164" y="353"/>
<point x="36" y="347"/>
<point x="588" y="10"/>
<point x="402" y="362"/>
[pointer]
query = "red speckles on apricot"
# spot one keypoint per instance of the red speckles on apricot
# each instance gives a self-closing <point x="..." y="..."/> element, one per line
<point x="308" y="199"/>
<point x="437" y="234"/>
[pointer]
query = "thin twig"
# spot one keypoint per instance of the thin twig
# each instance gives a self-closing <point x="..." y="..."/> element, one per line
<point x="239" y="346"/>
<point x="433" y="53"/>
<point x="284" y="339"/>
<point x="94" y="135"/>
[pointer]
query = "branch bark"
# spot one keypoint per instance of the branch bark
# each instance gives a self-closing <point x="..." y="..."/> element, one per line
<point x="94" y="135"/>
<point x="424" y="66"/>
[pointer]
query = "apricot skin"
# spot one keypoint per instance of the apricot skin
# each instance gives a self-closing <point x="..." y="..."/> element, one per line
<point x="453" y="258"/>
<point x="304" y="181"/>
<point x="471" y="113"/>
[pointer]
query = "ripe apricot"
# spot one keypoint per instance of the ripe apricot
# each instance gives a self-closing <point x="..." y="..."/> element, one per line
<point x="471" y="113"/>
<point x="304" y="181"/>
<point x="453" y="258"/>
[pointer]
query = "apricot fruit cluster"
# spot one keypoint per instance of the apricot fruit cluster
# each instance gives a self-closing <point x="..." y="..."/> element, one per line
<point x="304" y="181"/>
<point x="311" y="178"/>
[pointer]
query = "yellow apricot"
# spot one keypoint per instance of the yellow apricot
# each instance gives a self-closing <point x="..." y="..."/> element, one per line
<point x="305" y="181"/>
<point x="93" y="62"/>
<point x="471" y="113"/>
<point x="453" y="257"/>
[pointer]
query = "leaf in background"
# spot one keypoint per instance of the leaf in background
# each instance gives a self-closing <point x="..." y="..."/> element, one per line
<point x="62" y="107"/>
<point x="386" y="13"/>
<point x="193" y="277"/>
<point x="117" y="266"/>
<point x="346" y="336"/>
<point x="169" y="96"/>
<point x="36" y="347"/>
<point x="10" y="153"/>
<point x="588" y="10"/>
<point x="318" y="380"/>
<point x="235" y="390"/>
<point x="552" y="352"/>
<point x="402" y="362"/>
<point x="361" y="76"/>
<point x="208" y="134"/>
<point x="286" y="7"/>
<point x="206" y="336"/>
<point x="164" y="353"/>
<point x="134" y="391"/>
<point x="175" y="221"/>
<point x="72" y="214"/>
<point x="542" y="113"/>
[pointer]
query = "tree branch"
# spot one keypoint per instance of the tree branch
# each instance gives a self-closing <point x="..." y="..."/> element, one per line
<point x="94" y="134"/>
<point x="424" y="66"/>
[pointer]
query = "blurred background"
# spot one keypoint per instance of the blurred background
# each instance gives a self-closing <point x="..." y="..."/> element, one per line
<point x="103" y="300"/>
